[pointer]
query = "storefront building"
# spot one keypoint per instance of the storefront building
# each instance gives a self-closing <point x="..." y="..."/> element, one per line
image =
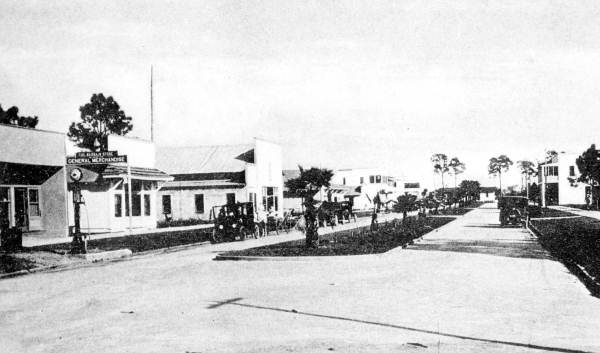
<point x="209" y="176"/>
<point x="33" y="191"/>
<point x="119" y="197"/>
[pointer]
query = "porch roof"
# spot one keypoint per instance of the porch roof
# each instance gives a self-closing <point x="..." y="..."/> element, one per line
<point x="91" y="174"/>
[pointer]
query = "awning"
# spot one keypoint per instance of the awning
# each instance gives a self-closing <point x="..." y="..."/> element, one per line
<point x="26" y="174"/>
<point x="92" y="174"/>
<point x="117" y="171"/>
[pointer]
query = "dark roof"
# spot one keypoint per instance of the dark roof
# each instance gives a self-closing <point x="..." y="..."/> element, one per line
<point x="488" y="189"/>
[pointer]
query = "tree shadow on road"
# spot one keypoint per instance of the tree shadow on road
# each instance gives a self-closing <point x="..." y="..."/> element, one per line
<point x="528" y="249"/>
<point x="236" y="301"/>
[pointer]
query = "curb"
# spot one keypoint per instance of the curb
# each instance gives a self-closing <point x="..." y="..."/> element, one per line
<point x="99" y="262"/>
<point x="592" y="285"/>
<point x="106" y="255"/>
<point x="294" y="258"/>
<point x="220" y="257"/>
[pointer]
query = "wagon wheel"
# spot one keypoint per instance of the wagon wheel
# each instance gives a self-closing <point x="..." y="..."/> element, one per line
<point x="242" y="232"/>
<point x="213" y="237"/>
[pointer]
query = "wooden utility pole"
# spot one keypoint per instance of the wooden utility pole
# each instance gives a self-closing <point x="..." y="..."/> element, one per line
<point x="151" y="103"/>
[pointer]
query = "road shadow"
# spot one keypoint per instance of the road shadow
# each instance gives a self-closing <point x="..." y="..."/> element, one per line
<point x="527" y="249"/>
<point x="492" y="225"/>
<point x="236" y="301"/>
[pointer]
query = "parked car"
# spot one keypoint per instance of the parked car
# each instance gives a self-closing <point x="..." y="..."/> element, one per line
<point x="513" y="210"/>
<point x="233" y="221"/>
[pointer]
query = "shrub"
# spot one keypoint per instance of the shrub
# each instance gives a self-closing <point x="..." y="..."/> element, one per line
<point x="181" y="222"/>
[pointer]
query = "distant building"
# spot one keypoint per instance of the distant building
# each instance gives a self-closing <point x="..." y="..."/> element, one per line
<point x="412" y="188"/>
<point x="488" y="193"/>
<point x="290" y="202"/>
<point x="367" y="183"/>
<point x="557" y="179"/>
<point x="208" y="176"/>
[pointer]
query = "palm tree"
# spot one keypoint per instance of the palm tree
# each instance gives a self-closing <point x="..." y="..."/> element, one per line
<point x="527" y="169"/>
<point x="440" y="166"/>
<point x="499" y="165"/>
<point x="306" y="186"/>
<point x="457" y="167"/>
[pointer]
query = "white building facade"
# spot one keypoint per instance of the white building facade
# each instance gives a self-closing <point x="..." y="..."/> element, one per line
<point x="119" y="197"/>
<point x="557" y="181"/>
<point x="368" y="183"/>
<point x="209" y="176"/>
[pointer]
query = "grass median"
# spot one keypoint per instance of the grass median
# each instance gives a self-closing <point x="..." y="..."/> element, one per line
<point x="576" y="242"/>
<point x="359" y="241"/>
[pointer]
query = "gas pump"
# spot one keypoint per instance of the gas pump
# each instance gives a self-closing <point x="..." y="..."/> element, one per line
<point x="78" y="246"/>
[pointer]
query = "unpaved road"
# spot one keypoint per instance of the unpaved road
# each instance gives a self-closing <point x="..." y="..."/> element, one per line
<point x="470" y="286"/>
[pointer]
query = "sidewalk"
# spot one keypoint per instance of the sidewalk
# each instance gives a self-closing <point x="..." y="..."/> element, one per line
<point x="577" y="211"/>
<point x="31" y="240"/>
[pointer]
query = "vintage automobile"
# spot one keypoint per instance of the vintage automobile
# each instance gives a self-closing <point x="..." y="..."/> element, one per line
<point x="233" y="221"/>
<point x="513" y="210"/>
<point x="333" y="213"/>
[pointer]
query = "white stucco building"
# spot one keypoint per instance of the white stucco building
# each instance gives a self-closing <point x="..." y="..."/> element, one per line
<point x="487" y="193"/>
<point x="367" y="183"/>
<point x="208" y="176"/>
<point x="33" y="191"/>
<point x="556" y="179"/>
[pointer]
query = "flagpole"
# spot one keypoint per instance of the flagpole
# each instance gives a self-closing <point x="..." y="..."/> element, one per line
<point x="129" y="198"/>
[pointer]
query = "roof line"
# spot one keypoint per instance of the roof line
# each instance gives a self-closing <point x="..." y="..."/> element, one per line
<point x="206" y="146"/>
<point x="33" y="129"/>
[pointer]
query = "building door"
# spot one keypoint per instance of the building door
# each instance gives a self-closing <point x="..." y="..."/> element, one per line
<point x="21" y="209"/>
<point x="230" y="198"/>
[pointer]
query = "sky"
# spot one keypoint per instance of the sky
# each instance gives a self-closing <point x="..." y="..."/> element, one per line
<point x="339" y="84"/>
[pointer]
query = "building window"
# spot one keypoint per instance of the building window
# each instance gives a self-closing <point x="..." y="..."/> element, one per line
<point x="572" y="170"/>
<point x="136" y="198"/>
<point x="372" y="179"/>
<point x="141" y="198"/>
<point x="344" y="181"/>
<point x="126" y="193"/>
<point x="552" y="171"/>
<point x="362" y="180"/>
<point x="166" y="204"/>
<point x="270" y="199"/>
<point x="230" y="198"/>
<point x="199" y="201"/>
<point x="147" y="203"/>
<point x="34" y="203"/>
<point x="118" y="205"/>
<point x="378" y="179"/>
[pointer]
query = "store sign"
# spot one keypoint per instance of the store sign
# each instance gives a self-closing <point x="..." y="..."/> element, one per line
<point x="105" y="157"/>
